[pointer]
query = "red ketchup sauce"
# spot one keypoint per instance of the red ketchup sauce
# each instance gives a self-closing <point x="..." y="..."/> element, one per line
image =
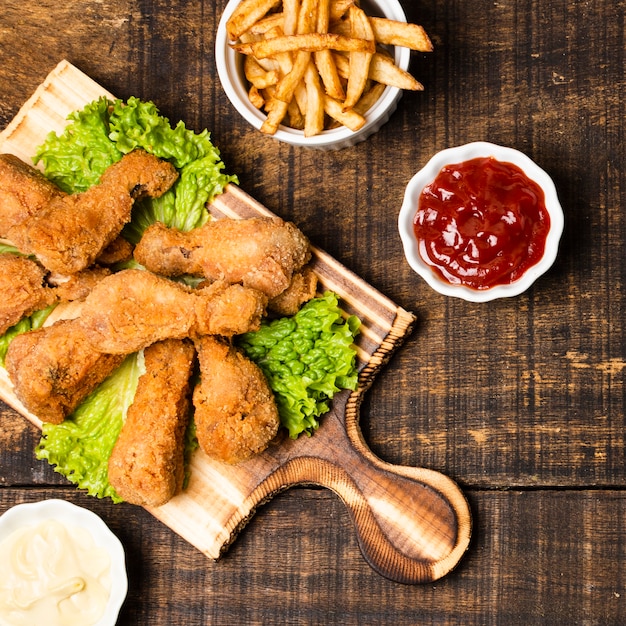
<point x="481" y="223"/>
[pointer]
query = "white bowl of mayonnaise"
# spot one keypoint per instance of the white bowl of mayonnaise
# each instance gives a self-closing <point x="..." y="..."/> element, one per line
<point x="61" y="566"/>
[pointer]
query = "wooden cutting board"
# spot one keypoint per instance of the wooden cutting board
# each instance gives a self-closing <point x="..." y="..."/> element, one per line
<point x="413" y="525"/>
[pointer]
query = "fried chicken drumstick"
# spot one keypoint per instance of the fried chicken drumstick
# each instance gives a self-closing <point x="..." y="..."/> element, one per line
<point x="146" y="466"/>
<point x="53" y="369"/>
<point x="248" y="265"/>
<point x="24" y="192"/>
<point x="235" y="411"/>
<point x="23" y="289"/>
<point x="262" y="253"/>
<point x="67" y="232"/>
<point x="132" y="309"/>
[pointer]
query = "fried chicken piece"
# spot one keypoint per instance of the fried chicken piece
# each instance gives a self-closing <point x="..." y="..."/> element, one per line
<point x="117" y="251"/>
<point x="132" y="309"/>
<point x="260" y="252"/>
<point x="146" y="466"/>
<point x="23" y="289"/>
<point x="77" y="286"/>
<point x="302" y="289"/>
<point x="71" y="231"/>
<point x="235" y="411"/>
<point x="54" y="368"/>
<point x="24" y="192"/>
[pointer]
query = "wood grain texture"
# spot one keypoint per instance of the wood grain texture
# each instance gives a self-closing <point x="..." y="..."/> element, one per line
<point x="538" y="575"/>
<point x="522" y="402"/>
<point x="413" y="525"/>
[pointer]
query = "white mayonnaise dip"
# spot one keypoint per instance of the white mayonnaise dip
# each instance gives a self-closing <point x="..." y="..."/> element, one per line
<point x="53" y="574"/>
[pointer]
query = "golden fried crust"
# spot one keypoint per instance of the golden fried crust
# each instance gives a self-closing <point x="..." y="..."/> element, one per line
<point x="24" y="192"/>
<point x="146" y="466"/>
<point x="261" y="252"/>
<point x="71" y="231"/>
<point x="302" y="289"/>
<point x="117" y="251"/>
<point x="132" y="309"/>
<point x="228" y="310"/>
<point x="77" y="286"/>
<point x="22" y="289"/>
<point x="140" y="175"/>
<point x="235" y="411"/>
<point x="54" y="368"/>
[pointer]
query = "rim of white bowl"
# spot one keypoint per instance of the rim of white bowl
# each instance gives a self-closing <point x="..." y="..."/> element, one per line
<point x="230" y="63"/>
<point x="459" y="154"/>
<point x="29" y="513"/>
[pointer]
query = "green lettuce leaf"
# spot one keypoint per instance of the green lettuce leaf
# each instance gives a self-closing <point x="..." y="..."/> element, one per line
<point x="307" y="359"/>
<point x="79" y="448"/>
<point x="103" y="131"/>
<point x="76" y="159"/>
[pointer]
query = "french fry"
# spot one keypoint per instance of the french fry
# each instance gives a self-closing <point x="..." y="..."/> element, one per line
<point x="369" y="98"/>
<point x="316" y="64"/>
<point x="258" y="76"/>
<point x="273" y="20"/>
<point x="287" y="85"/>
<point x="350" y="119"/>
<point x="382" y="70"/>
<point x="246" y="14"/>
<point x="309" y="42"/>
<point x="395" y="33"/>
<point x="256" y="98"/>
<point x="314" y="114"/>
<point x="338" y="8"/>
<point x="307" y="17"/>
<point x="324" y="59"/>
<point x="291" y="10"/>
<point x="359" y="61"/>
<point x="323" y="16"/>
<point x="275" y="115"/>
<point x="392" y="33"/>
<point x="328" y="72"/>
<point x="270" y="64"/>
<point x="295" y="115"/>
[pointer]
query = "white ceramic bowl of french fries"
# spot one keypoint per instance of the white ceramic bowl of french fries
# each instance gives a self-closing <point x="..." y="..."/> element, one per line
<point x="322" y="74"/>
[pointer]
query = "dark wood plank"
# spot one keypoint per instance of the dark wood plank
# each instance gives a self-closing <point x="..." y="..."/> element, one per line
<point x="525" y="394"/>
<point x="562" y="562"/>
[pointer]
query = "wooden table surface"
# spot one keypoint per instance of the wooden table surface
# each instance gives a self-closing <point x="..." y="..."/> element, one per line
<point x="520" y="401"/>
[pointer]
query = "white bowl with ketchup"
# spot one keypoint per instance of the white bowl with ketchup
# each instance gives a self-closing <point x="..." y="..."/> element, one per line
<point x="480" y="221"/>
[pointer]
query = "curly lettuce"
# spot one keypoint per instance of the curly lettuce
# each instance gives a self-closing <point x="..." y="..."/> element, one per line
<point x="306" y="359"/>
<point x="103" y="131"/>
<point x="79" y="448"/>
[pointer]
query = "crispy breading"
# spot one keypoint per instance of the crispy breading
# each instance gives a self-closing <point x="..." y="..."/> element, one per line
<point x="117" y="251"/>
<point x="235" y="411"/>
<point x="132" y="309"/>
<point x="77" y="286"/>
<point x="24" y="192"/>
<point x="71" y="231"/>
<point x="302" y="289"/>
<point x="260" y="252"/>
<point x="146" y="466"/>
<point x="23" y="289"/>
<point x="54" y="368"/>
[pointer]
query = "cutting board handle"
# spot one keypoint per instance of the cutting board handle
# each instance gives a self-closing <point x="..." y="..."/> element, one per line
<point x="413" y="525"/>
